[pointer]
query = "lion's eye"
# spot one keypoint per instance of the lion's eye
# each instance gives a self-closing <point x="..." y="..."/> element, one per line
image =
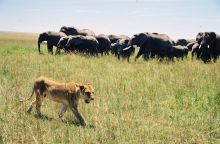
<point x="87" y="93"/>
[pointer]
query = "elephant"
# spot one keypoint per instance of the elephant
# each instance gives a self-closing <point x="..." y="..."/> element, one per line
<point x="62" y="44"/>
<point x="126" y="52"/>
<point x="190" y="45"/>
<point x="114" y="48"/>
<point x="184" y="42"/>
<point x="115" y="38"/>
<point x="180" y="51"/>
<point x="79" y="43"/>
<point x="121" y="49"/>
<point x="164" y="37"/>
<point x="119" y="44"/>
<point x="52" y="39"/>
<point x="76" y="31"/>
<point x="104" y="44"/>
<point x="209" y="46"/>
<point x="195" y="50"/>
<point x="152" y="45"/>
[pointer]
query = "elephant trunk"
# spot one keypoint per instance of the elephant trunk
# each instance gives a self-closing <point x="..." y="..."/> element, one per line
<point x="68" y="43"/>
<point x="39" y="46"/>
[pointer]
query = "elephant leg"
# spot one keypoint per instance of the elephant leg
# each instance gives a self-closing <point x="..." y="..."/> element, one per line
<point x="152" y="55"/>
<point x="50" y="48"/>
<point x="214" y="60"/>
<point x="161" y="57"/>
<point x="138" y="55"/>
<point x="170" y="57"/>
<point x="193" y="54"/>
<point x="96" y="52"/>
<point x="182" y="58"/>
<point x="118" y="56"/>
<point x="58" y="51"/>
<point x="39" y="48"/>
<point x="146" y="56"/>
<point x="66" y="49"/>
<point x="128" y="58"/>
<point x="215" y="57"/>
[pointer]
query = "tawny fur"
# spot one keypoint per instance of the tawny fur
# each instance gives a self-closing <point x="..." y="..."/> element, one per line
<point x="66" y="93"/>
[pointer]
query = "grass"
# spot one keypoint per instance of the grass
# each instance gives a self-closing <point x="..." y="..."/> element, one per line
<point x="137" y="102"/>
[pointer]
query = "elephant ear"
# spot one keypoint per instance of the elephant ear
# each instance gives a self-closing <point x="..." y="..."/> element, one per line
<point x="63" y="28"/>
<point x="47" y="34"/>
<point x="212" y="37"/>
<point x="43" y="37"/>
<point x="42" y="34"/>
<point x="143" y="39"/>
<point x="199" y="36"/>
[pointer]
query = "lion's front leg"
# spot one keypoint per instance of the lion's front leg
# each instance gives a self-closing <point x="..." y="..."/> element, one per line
<point x="79" y="116"/>
<point x="31" y="106"/>
<point x="39" y="100"/>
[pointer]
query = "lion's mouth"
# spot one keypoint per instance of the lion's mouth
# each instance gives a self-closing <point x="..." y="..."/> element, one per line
<point x="87" y="101"/>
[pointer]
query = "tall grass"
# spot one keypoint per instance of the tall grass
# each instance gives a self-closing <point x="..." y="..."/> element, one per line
<point x="137" y="102"/>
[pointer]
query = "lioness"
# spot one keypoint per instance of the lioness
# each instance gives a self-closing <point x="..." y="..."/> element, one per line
<point x="66" y="93"/>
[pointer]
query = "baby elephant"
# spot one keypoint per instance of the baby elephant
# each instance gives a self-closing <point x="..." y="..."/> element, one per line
<point x="180" y="51"/>
<point x="66" y="93"/>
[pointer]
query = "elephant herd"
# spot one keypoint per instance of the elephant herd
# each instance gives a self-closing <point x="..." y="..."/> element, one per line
<point x="206" y="46"/>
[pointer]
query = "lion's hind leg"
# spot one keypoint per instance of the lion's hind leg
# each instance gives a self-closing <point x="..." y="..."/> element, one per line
<point x="62" y="111"/>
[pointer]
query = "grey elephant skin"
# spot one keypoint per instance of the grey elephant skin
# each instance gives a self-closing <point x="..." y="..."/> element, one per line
<point x="115" y="38"/>
<point x="104" y="44"/>
<point x="75" y="31"/>
<point x="208" y="48"/>
<point x="180" y="52"/>
<point x="184" y="42"/>
<point x="153" y="44"/>
<point x="121" y="49"/>
<point x="79" y="43"/>
<point x="195" y="51"/>
<point x="52" y="38"/>
<point x="119" y="46"/>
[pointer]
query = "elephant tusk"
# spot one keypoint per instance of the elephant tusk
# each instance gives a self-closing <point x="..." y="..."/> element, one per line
<point x="126" y="48"/>
<point x="208" y="46"/>
<point x="200" y="46"/>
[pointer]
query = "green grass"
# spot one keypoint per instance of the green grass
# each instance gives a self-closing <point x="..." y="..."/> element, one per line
<point x="137" y="102"/>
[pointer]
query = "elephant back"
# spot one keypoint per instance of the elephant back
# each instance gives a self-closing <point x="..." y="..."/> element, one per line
<point x="69" y="30"/>
<point x="86" y="32"/>
<point x="163" y="37"/>
<point x="54" y="34"/>
<point x="184" y="42"/>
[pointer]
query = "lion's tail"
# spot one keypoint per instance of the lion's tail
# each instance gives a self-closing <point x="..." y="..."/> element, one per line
<point x="29" y="97"/>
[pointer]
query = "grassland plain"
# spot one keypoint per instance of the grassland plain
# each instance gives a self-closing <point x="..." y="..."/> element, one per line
<point x="137" y="102"/>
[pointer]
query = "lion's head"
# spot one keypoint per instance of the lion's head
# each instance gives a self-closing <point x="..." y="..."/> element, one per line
<point x="87" y="92"/>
